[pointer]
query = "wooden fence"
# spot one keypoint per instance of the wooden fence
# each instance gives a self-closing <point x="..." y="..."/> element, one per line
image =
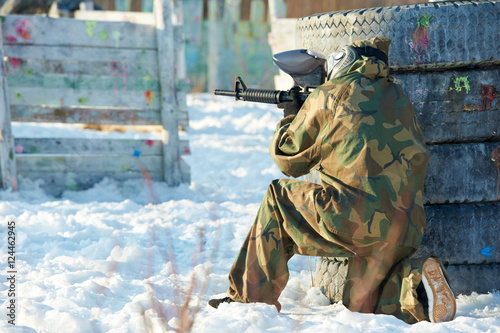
<point x="91" y="72"/>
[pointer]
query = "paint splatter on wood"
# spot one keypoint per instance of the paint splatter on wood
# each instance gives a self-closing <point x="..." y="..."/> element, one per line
<point x="149" y="96"/>
<point x="83" y="100"/>
<point x="10" y="39"/>
<point x="23" y="30"/>
<point x="91" y="25"/>
<point x="104" y="35"/>
<point x="15" y="62"/>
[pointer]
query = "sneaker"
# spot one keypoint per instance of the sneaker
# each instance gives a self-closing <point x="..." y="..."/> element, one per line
<point x="217" y="301"/>
<point x="442" y="306"/>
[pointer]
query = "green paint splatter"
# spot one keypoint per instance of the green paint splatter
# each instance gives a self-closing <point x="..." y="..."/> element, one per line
<point x="29" y="72"/>
<point x="2" y="18"/>
<point x="83" y="100"/>
<point x="11" y="154"/>
<point x="461" y="82"/>
<point x="116" y="35"/>
<point x="104" y="35"/>
<point x="423" y="20"/>
<point x="33" y="150"/>
<point x="91" y="25"/>
<point x="19" y="97"/>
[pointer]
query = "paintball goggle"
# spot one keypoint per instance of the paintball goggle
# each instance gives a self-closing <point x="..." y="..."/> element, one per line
<point x="308" y="68"/>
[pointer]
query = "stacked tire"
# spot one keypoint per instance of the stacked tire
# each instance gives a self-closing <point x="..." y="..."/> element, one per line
<point x="446" y="55"/>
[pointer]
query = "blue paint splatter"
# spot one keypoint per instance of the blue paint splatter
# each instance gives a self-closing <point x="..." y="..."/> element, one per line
<point x="487" y="251"/>
<point x="137" y="153"/>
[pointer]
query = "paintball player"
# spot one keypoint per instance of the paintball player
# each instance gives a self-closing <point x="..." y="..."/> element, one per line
<point x="360" y="132"/>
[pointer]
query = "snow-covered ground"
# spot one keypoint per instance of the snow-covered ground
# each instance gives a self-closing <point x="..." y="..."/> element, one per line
<point x="104" y="260"/>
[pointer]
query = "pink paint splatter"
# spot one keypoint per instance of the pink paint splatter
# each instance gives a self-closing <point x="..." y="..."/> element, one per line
<point x="149" y="142"/>
<point x="19" y="149"/>
<point x="488" y="94"/>
<point x="22" y="29"/>
<point x="11" y="39"/>
<point x="197" y="19"/>
<point x="15" y="62"/>
<point x="421" y="35"/>
<point x="423" y="41"/>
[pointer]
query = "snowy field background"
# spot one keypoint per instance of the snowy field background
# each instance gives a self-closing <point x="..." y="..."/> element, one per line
<point x="105" y="260"/>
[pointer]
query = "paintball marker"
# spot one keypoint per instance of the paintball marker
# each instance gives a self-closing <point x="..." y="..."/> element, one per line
<point x="304" y="66"/>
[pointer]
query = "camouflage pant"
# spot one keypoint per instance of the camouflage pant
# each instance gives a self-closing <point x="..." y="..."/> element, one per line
<point x="287" y="223"/>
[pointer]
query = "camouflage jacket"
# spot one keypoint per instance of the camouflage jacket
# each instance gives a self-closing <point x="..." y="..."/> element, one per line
<point x="360" y="132"/>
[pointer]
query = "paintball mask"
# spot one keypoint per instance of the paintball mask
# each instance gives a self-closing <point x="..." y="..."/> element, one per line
<point x="339" y="62"/>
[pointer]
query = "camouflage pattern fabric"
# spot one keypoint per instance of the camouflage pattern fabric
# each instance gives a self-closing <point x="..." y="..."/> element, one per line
<point x="360" y="132"/>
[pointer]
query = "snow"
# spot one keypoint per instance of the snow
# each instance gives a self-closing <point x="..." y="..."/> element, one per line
<point x="106" y="260"/>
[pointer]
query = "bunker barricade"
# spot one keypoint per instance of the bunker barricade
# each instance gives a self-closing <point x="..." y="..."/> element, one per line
<point x="92" y="72"/>
<point x="446" y="57"/>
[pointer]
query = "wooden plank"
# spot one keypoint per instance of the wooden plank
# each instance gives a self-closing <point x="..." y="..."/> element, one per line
<point x="83" y="115"/>
<point x="82" y="98"/>
<point x="166" y="64"/>
<point x="146" y="57"/>
<point x="32" y="66"/>
<point x="39" y="30"/>
<point x="86" y="163"/>
<point x="94" y="82"/>
<point x="86" y="115"/>
<point x="57" y="182"/>
<point x="7" y="164"/>
<point x="64" y="146"/>
<point x="139" y="17"/>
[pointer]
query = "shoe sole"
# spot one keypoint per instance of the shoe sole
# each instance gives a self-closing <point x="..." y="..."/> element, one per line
<point x="442" y="305"/>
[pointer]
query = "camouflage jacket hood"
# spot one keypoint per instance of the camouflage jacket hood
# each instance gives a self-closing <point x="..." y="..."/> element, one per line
<point x="360" y="132"/>
<point x="371" y="67"/>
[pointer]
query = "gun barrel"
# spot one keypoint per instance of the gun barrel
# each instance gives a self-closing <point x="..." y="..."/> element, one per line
<point x="225" y="92"/>
<point x="257" y="95"/>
